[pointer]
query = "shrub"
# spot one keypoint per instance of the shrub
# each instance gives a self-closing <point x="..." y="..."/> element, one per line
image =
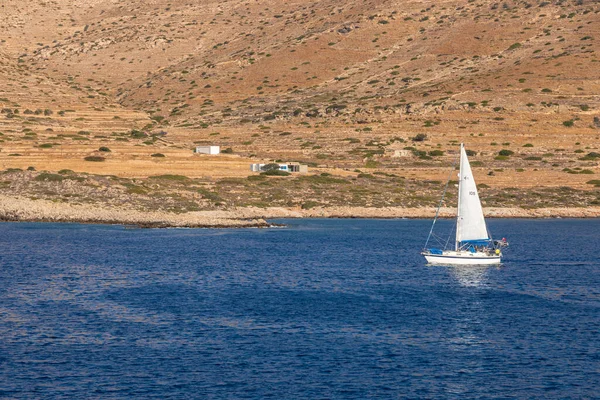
<point x="506" y="153"/>
<point x="137" y="134"/>
<point x="527" y="145"/>
<point x="256" y="178"/>
<point x="47" y="177"/>
<point x="208" y="195"/>
<point x="591" y="156"/>
<point x="436" y="153"/>
<point x="420" y="137"/>
<point x="94" y="158"/>
<point x="366" y="176"/>
<point x="270" y="167"/>
<point x="45" y="146"/>
<point x="133" y="189"/>
<point x="371" y="164"/>
<point x="471" y="153"/>
<point x="228" y="150"/>
<point x="104" y="149"/>
<point x="323" y="179"/>
<point x="568" y="123"/>
<point x="169" y="177"/>
<point x="157" y="155"/>
<point x="578" y="171"/>
<point x="307" y="205"/>
<point x="275" y="172"/>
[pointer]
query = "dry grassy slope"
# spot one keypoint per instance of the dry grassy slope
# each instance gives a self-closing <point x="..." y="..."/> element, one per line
<point x="246" y="73"/>
<point x="300" y="54"/>
<point x="40" y="109"/>
<point x="50" y="126"/>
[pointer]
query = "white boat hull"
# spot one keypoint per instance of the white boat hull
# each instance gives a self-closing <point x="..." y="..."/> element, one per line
<point x="462" y="258"/>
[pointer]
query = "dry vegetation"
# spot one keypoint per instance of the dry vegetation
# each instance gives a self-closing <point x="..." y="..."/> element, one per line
<point x="374" y="95"/>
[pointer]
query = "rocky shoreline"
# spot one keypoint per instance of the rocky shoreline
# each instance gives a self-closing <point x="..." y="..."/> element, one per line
<point x="401" y="212"/>
<point x="24" y="209"/>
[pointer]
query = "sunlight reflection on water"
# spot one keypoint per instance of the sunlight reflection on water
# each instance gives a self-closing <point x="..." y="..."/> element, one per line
<point x="471" y="276"/>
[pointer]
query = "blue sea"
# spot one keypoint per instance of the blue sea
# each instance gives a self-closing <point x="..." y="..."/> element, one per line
<point x="320" y="309"/>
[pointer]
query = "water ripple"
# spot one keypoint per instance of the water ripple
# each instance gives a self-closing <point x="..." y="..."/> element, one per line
<point x="321" y="309"/>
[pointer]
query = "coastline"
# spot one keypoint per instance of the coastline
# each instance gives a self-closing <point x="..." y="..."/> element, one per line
<point x="20" y="209"/>
<point x="415" y="213"/>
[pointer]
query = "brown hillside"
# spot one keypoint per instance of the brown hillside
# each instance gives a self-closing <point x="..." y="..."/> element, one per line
<point x="342" y="86"/>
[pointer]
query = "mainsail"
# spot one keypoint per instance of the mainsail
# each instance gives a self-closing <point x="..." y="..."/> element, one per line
<point x="470" y="224"/>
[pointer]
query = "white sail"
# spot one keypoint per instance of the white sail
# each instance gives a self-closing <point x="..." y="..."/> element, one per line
<point x="470" y="224"/>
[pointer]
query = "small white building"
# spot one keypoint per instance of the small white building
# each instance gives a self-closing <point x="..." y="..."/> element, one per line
<point x="207" y="149"/>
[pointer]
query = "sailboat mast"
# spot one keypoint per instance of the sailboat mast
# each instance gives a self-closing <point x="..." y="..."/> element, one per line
<point x="458" y="203"/>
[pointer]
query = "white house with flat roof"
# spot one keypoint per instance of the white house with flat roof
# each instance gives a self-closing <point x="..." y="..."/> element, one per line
<point x="207" y="149"/>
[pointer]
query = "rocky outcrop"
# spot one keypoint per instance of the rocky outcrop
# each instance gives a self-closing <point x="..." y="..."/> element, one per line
<point x="23" y="209"/>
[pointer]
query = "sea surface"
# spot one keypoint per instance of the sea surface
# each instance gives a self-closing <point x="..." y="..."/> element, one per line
<point x="340" y="309"/>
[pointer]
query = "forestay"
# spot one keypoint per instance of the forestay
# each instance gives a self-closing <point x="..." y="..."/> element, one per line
<point x="470" y="224"/>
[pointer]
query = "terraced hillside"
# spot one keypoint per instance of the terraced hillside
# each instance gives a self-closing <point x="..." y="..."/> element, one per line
<point x="380" y="89"/>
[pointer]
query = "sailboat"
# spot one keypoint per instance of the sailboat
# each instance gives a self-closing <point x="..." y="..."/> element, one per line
<point x="473" y="244"/>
